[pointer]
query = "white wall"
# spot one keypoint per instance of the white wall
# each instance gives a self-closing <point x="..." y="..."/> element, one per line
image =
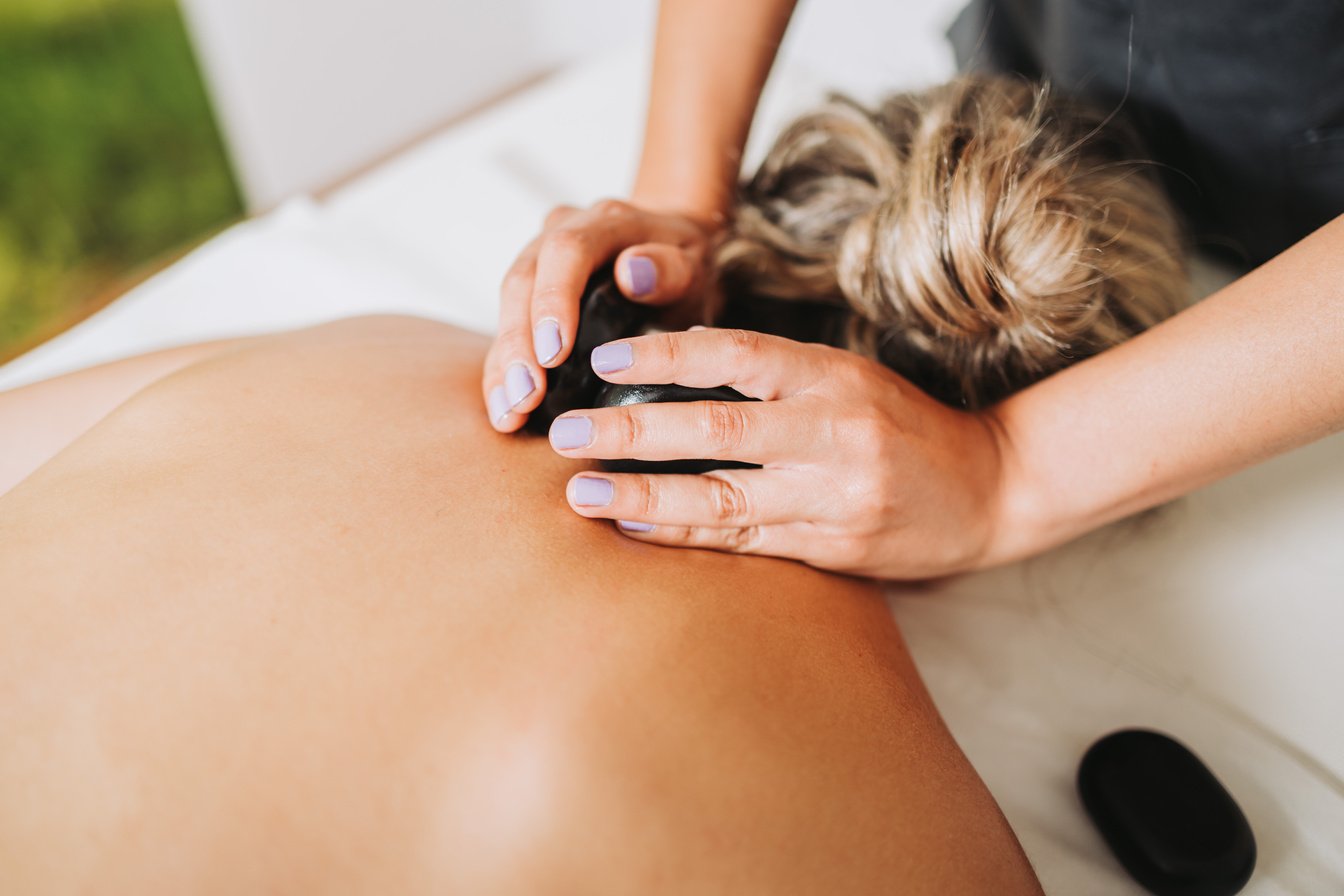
<point x="309" y="90"/>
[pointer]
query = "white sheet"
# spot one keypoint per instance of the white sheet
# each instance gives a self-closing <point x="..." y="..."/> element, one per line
<point x="281" y="271"/>
<point x="1217" y="620"/>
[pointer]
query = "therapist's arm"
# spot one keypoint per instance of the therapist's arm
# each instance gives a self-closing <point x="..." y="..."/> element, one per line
<point x="711" y="60"/>
<point x="863" y="473"/>
<point x="1250" y="372"/>
<point x="710" y="63"/>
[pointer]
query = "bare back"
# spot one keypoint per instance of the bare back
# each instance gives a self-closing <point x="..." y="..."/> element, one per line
<point x="295" y="619"/>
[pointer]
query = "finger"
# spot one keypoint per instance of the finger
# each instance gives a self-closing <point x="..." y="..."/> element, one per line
<point x="558" y="215"/>
<point x="566" y="258"/>
<point x="754" y="432"/>
<point x="549" y="328"/>
<point x="513" y="382"/>
<point x="656" y="273"/>
<point x="755" y="364"/>
<point x="718" y="499"/>
<point x="795" y="541"/>
<point x="785" y="540"/>
<point x="497" y="406"/>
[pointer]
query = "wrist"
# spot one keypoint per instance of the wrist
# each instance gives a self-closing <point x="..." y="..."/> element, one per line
<point x="1018" y="514"/>
<point x="678" y="186"/>
<point x="703" y="208"/>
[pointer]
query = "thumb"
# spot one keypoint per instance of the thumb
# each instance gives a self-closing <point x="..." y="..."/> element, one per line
<point x="656" y="273"/>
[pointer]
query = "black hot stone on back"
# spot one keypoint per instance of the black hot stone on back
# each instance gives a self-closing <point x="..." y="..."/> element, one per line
<point x="604" y="315"/>
<point x="1165" y="816"/>
<point x="615" y="395"/>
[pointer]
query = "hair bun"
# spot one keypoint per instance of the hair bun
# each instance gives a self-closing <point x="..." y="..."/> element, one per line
<point x="986" y="232"/>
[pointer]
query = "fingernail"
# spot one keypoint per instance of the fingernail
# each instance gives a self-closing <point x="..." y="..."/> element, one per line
<point x="643" y="275"/>
<point x="612" y="357"/>
<point x="630" y="526"/>
<point x="546" y="340"/>
<point x="589" y="491"/>
<point x="497" y="404"/>
<point x="571" y="432"/>
<point x="517" y="384"/>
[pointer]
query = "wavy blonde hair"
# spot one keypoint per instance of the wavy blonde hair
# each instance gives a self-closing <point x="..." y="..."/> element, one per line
<point x="985" y="232"/>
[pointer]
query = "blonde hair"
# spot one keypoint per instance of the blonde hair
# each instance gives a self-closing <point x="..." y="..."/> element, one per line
<point x="986" y="233"/>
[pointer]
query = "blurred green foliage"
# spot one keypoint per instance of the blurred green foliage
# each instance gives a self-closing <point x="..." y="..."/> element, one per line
<point x="109" y="154"/>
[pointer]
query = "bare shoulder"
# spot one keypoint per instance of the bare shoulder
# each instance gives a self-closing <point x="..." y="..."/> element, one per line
<point x="301" y="612"/>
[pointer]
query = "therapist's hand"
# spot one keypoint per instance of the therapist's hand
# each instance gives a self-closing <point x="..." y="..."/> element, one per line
<point x="862" y="472"/>
<point x="660" y="258"/>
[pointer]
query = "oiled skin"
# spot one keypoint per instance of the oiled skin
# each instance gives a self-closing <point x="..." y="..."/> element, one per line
<point x="294" y="619"/>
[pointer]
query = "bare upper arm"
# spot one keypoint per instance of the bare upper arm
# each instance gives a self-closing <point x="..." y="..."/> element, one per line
<point x="38" y="420"/>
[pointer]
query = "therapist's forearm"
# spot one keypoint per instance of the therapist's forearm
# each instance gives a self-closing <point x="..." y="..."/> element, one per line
<point x="711" y="60"/>
<point x="1250" y="372"/>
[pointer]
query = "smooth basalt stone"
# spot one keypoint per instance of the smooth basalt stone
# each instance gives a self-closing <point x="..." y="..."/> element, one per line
<point x="604" y="315"/>
<point x="617" y="395"/>
<point x="1169" y="821"/>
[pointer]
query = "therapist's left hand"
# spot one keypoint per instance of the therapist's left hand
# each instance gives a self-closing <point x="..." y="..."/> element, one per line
<point x="861" y="472"/>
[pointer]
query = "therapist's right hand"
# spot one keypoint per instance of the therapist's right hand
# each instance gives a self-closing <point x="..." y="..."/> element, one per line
<point x="662" y="258"/>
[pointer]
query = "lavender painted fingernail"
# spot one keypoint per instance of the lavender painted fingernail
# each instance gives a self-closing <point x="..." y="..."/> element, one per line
<point x="589" y="491"/>
<point x="612" y="357"/>
<point x="546" y="340"/>
<point x="571" y="432"/>
<point x="631" y="526"/>
<point x="497" y="404"/>
<point x="643" y="275"/>
<point x="517" y="384"/>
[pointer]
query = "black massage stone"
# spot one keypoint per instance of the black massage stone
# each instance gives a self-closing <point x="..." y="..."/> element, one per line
<point x="604" y="315"/>
<point x="1168" y="820"/>
<point x="615" y="395"/>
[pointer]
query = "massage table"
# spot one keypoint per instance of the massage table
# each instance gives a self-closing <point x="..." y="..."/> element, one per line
<point x="1217" y="619"/>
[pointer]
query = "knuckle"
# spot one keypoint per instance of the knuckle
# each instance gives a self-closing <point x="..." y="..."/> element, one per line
<point x="742" y="539"/>
<point x="746" y="344"/>
<point x="872" y="499"/>
<point x="518" y="278"/>
<point x="828" y="434"/>
<point x="631" y="432"/>
<point x="506" y="345"/>
<point x="867" y="437"/>
<point x="723" y="425"/>
<point x="566" y="241"/>
<point x="885" y="483"/>
<point x="869" y="506"/>
<point x="557" y="216"/>
<point x="849" y="552"/>
<point x="649" y="497"/>
<point x="846" y="376"/>
<point x="670" y="346"/>
<point x="728" y="502"/>
<point x="610" y="208"/>
<point x="686" y="536"/>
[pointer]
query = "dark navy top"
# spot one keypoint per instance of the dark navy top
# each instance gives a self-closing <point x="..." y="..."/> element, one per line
<point x="1242" y="100"/>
